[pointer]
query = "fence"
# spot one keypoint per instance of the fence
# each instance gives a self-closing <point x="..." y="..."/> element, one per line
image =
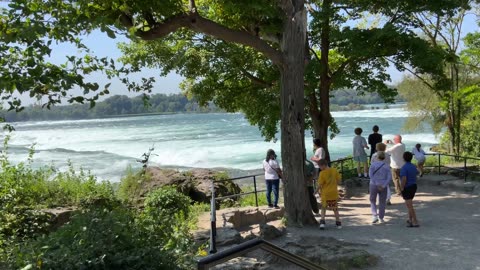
<point x="458" y="160"/>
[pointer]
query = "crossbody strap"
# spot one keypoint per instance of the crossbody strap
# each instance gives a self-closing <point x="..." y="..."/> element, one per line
<point x="378" y="169"/>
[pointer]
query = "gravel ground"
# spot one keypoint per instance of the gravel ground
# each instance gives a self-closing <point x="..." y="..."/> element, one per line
<point x="448" y="236"/>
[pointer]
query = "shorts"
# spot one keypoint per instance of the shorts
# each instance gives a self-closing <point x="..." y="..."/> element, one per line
<point x="330" y="204"/>
<point x="409" y="192"/>
<point x="421" y="161"/>
<point x="361" y="158"/>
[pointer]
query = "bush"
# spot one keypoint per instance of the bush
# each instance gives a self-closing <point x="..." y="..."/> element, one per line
<point x="97" y="239"/>
<point x="130" y="184"/>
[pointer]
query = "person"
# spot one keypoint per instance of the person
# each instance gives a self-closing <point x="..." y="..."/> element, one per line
<point x="373" y="139"/>
<point x="327" y="187"/>
<point x="380" y="177"/>
<point x="359" y="155"/>
<point x="396" y="156"/>
<point x="381" y="147"/>
<point x="408" y="173"/>
<point x="309" y="172"/>
<point x="318" y="155"/>
<point x="273" y="173"/>
<point x="420" y="157"/>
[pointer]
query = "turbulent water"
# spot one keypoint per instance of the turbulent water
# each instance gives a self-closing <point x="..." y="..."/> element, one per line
<point x="107" y="147"/>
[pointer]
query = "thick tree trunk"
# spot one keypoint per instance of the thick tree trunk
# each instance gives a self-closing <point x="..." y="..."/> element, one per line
<point x="297" y="206"/>
<point x="320" y="122"/>
<point x="321" y="117"/>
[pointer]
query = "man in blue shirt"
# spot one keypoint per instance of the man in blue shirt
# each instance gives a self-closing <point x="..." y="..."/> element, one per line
<point x="408" y="176"/>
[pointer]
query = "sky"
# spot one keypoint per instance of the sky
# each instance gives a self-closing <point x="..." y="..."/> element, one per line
<point x="102" y="46"/>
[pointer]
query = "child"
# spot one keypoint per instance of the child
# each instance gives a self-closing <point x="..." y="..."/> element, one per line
<point x="327" y="186"/>
<point x="359" y="155"/>
<point x="420" y="157"/>
<point x="408" y="185"/>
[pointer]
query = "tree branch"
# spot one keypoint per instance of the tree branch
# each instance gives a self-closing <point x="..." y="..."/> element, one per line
<point x="255" y="80"/>
<point x="195" y="22"/>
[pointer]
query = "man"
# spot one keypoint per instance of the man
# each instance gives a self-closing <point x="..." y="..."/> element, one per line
<point x="373" y="139"/>
<point x="396" y="160"/>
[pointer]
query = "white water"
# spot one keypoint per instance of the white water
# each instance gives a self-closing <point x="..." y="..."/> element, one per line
<point x="108" y="146"/>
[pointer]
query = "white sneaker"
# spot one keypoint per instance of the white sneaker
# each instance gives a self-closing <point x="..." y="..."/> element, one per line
<point x="374" y="220"/>
<point x="322" y="226"/>
<point x="382" y="221"/>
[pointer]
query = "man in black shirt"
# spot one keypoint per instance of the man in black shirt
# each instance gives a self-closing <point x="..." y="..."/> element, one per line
<point x="373" y="139"/>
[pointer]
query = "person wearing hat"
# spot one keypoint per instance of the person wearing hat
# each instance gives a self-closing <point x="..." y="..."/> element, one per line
<point x="273" y="173"/>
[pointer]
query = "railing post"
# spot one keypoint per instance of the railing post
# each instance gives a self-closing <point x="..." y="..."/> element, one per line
<point x="341" y="169"/>
<point x="439" y="163"/>
<point x="213" y="222"/>
<point x="465" y="169"/>
<point x="255" y="189"/>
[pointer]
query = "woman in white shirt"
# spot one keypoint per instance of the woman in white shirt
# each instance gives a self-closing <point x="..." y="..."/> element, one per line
<point x="420" y="157"/>
<point x="273" y="173"/>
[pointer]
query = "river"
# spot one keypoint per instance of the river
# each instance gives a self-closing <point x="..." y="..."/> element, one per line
<point x="107" y="147"/>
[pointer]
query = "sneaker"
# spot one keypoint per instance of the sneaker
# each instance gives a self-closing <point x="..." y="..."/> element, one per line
<point x="270" y="206"/>
<point x="374" y="220"/>
<point x="276" y="207"/>
<point x="389" y="203"/>
<point x="382" y="221"/>
<point x="322" y="225"/>
<point x="339" y="224"/>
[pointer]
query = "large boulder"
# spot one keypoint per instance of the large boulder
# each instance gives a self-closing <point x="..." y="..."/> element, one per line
<point x="194" y="183"/>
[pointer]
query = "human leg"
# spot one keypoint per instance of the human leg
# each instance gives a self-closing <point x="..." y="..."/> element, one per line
<point x="269" y="192"/>
<point x="396" y="180"/>
<point x="382" y="201"/>
<point x="313" y="200"/>
<point x="359" y="171"/>
<point x="373" y="201"/>
<point x="275" y="188"/>
<point x="365" y="168"/>
<point x="389" y="195"/>
<point x="322" y="219"/>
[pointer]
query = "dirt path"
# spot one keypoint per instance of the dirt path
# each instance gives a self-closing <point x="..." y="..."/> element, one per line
<point x="449" y="236"/>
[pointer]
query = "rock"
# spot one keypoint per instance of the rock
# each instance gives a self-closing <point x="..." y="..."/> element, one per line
<point x="269" y="232"/>
<point x="195" y="183"/>
<point x="59" y="216"/>
<point x="327" y="252"/>
<point x="228" y="236"/>
<point x="241" y="263"/>
<point x="244" y="217"/>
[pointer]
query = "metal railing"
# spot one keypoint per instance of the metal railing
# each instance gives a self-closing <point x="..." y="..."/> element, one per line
<point x="465" y="169"/>
<point x="255" y="188"/>
<point x="246" y="247"/>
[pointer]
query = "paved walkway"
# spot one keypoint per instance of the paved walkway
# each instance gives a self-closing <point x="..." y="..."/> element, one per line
<point x="448" y="238"/>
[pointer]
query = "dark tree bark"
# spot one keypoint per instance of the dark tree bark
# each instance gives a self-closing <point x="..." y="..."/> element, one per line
<point x="297" y="207"/>
<point x="320" y="115"/>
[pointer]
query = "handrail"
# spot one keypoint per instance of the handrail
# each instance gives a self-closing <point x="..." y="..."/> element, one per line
<point x="246" y="247"/>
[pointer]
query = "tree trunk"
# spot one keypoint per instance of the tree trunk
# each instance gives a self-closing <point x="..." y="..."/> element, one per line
<point x="321" y="117"/>
<point x="298" y="211"/>
<point x="320" y="123"/>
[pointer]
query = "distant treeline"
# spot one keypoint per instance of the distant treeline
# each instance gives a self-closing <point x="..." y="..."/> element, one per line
<point x="157" y="103"/>
<point x="346" y="97"/>
<point x="112" y="106"/>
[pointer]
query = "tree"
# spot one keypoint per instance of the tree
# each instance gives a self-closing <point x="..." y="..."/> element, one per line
<point x="230" y="21"/>
<point x="339" y="56"/>
<point x="443" y="31"/>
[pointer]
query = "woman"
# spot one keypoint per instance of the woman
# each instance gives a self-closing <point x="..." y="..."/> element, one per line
<point x="420" y="157"/>
<point x="380" y="178"/>
<point x="273" y="173"/>
<point x="318" y="155"/>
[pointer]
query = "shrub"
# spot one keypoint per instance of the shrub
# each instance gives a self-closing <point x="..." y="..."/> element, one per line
<point x="97" y="239"/>
<point x="130" y="184"/>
